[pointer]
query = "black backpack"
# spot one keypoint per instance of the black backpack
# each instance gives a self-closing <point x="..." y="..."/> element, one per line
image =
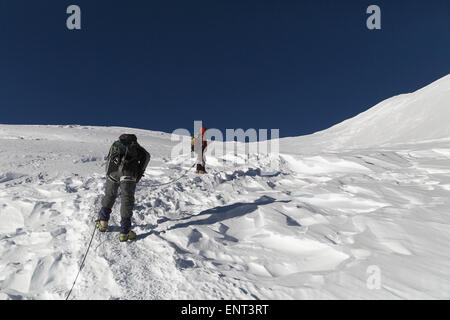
<point x="124" y="154"/>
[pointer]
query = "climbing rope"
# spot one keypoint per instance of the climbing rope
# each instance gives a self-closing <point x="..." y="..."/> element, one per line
<point x="173" y="181"/>
<point x="95" y="228"/>
<point x="82" y="262"/>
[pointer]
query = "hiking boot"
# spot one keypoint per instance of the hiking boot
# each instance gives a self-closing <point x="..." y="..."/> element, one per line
<point x="127" y="236"/>
<point x="102" y="226"/>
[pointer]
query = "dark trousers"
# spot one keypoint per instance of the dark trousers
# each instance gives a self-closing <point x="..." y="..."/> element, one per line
<point x="127" y="190"/>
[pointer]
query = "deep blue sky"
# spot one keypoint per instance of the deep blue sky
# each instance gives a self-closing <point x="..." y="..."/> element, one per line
<point x="300" y="66"/>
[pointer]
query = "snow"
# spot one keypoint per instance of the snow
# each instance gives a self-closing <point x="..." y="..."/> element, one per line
<point x="371" y="192"/>
<point x="408" y="118"/>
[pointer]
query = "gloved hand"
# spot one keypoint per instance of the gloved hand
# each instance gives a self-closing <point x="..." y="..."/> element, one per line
<point x="139" y="177"/>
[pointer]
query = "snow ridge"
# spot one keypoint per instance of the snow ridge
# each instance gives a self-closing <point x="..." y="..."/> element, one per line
<point x="407" y="118"/>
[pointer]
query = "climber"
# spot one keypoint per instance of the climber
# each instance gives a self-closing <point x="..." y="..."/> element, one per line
<point x="126" y="164"/>
<point x="198" y="145"/>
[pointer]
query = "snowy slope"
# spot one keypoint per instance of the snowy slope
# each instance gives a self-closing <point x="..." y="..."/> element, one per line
<point x="314" y="229"/>
<point x="414" y="117"/>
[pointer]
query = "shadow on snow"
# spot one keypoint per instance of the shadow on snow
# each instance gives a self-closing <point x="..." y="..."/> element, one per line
<point x="217" y="214"/>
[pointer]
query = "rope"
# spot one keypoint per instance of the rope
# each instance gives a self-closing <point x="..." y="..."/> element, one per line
<point x="82" y="262"/>
<point x="173" y="181"/>
<point x="95" y="228"/>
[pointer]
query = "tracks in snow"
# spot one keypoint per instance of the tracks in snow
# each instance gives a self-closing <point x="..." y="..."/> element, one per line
<point x="309" y="231"/>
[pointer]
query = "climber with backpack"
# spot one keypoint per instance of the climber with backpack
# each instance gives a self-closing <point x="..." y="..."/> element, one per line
<point x="198" y="145"/>
<point x="126" y="164"/>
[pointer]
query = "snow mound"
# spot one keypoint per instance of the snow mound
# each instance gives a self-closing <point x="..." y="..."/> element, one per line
<point x="408" y="118"/>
